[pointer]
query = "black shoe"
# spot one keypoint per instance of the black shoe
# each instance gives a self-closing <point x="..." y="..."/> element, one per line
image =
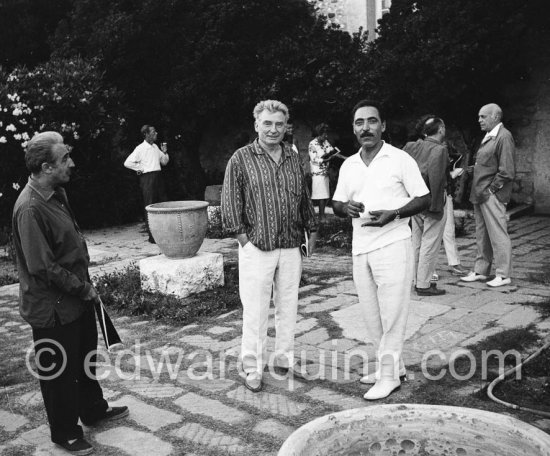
<point x="79" y="446"/>
<point x="280" y="370"/>
<point x="111" y="414"/>
<point x="430" y="291"/>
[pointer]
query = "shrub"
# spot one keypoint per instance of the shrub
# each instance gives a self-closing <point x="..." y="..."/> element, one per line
<point x="68" y="96"/>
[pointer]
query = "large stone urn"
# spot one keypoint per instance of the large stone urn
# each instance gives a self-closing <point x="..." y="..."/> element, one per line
<point x="178" y="227"/>
<point x="416" y="429"/>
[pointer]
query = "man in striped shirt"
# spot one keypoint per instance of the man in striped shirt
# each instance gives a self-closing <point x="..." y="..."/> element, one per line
<point x="267" y="206"/>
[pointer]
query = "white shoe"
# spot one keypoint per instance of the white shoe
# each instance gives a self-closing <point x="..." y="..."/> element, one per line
<point x="498" y="281"/>
<point x="473" y="277"/>
<point x="435" y="277"/>
<point x="371" y="379"/>
<point x="382" y="388"/>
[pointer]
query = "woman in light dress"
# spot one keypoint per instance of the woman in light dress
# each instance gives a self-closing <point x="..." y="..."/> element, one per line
<point x="320" y="153"/>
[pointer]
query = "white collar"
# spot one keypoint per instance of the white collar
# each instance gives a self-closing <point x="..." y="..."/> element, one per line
<point x="494" y="131"/>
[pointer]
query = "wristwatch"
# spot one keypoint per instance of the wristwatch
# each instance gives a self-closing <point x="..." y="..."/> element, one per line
<point x="397" y="215"/>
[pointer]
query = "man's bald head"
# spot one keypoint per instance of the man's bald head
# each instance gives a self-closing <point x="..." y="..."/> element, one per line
<point x="489" y="116"/>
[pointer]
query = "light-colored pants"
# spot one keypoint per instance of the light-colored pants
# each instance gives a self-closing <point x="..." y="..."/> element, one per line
<point x="492" y="238"/>
<point x="260" y="274"/>
<point x="383" y="281"/>
<point x="427" y="233"/>
<point x="449" y="241"/>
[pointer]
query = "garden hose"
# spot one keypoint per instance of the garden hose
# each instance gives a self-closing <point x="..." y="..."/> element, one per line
<point x="505" y="374"/>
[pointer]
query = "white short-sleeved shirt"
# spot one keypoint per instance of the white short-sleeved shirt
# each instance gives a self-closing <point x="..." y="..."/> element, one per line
<point x="390" y="181"/>
<point x="146" y="158"/>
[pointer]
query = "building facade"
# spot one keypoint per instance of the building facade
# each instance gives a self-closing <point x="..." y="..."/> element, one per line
<point x="351" y="15"/>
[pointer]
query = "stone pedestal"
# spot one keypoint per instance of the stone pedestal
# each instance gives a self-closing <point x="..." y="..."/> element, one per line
<point x="182" y="277"/>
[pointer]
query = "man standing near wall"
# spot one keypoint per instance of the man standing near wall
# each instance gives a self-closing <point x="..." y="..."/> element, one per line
<point x="56" y="297"/>
<point x="380" y="187"/>
<point x="266" y="205"/>
<point x="146" y="160"/>
<point x="494" y="172"/>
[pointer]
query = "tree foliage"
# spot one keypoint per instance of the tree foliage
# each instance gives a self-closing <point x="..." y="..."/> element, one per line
<point x="450" y="57"/>
<point x="184" y="62"/>
<point x="25" y="30"/>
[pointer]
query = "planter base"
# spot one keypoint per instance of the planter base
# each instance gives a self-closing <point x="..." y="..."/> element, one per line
<point x="182" y="277"/>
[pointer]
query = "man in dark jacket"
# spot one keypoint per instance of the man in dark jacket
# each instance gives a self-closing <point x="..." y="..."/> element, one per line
<point x="432" y="158"/>
<point x="56" y="297"/>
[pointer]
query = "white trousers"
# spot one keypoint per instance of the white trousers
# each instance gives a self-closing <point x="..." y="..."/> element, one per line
<point x="449" y="241"/>
<point x="383" y="280"/>
<point x="492" y="238"/>
<point x="427" y="233"/>
<point x="261" y="274"/>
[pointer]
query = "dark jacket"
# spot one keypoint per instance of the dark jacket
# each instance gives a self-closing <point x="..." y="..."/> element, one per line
<point x="433" y="160"/>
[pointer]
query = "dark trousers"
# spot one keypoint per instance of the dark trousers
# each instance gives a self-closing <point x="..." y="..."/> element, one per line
<point x="152" y="189"/>
<point x="72" y="394"/>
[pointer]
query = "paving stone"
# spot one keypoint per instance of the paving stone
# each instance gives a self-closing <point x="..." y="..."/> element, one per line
<point x="340" y="345"/>
<point x="440" y="339"/>
<point x="315" y="337"/>
<point x="451" y="316"/>
<point x="205" y="342"/>
<point x="270" y="402"/>
<point x="274" y="428"/>
<point x="475" y="322"/>
<point x="31" y="399"/>
<point x="307" y="324"/>
<point x="153" y="418"/>
<point x="219" y="330"/>
<point x="10" y="422"/>
<point x="201" y="435"/>
<point x="326" y="371"/>
<point x="212" y="385"/>
<point x="336" y="399"/>
<point x="307" y="288"/>
<point x="522" y="316"/>
<point x="133" y="442"/>
<point x="9" y="324"/>
<point x="315" y="307"/>
<point x="39" y="437"/>
<point x="193" y="403"/>
<point x="286" y="382"/>
<point x="482" y="335"/>
<point x="109" y="394"/>
<point x="153" y="389"/>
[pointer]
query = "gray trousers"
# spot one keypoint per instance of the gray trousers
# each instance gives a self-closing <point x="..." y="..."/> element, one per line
<point x="493" y="242"/>
<point x="427" y="234"/>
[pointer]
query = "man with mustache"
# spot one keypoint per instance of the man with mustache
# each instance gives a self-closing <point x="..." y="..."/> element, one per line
<point x="266" y="205"/>
<point x="56" y="297"/>
<point x="380" y="187"/>
<point x="494" y="172"/>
